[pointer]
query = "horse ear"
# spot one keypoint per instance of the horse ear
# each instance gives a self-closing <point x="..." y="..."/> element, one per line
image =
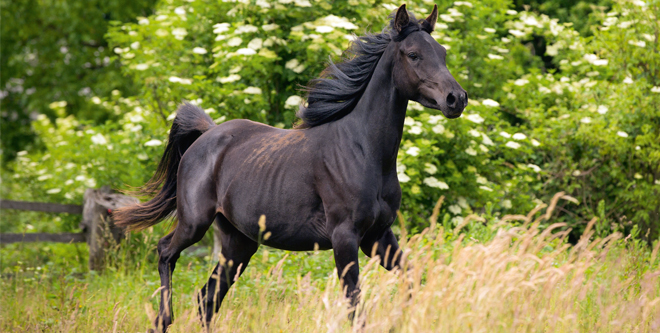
<point x="432" y="19"/>
<point x="401" y="19"/>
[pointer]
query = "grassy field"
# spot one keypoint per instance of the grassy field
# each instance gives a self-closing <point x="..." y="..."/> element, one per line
<point x="478" y="277"/>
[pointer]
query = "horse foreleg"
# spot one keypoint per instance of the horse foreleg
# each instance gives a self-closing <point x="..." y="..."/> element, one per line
<point x="345" y="246"/>
<point x="384" y="245"/>
<point x="237" y="249"/>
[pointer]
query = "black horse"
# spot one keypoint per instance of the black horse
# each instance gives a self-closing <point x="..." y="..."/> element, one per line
<point x="330" y="183"/>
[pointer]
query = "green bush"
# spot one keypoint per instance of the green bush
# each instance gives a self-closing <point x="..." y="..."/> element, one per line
<point x="587" y="124"/>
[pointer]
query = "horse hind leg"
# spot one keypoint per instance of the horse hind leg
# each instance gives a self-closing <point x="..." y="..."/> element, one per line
<point x="190" y="229"/>
<point x="237" y="249"/>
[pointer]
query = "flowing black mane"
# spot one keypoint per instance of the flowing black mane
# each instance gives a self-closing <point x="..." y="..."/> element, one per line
<point x="336" y="92"/>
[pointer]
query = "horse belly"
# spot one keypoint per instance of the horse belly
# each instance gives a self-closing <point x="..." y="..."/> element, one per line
<point x="280" y="188"/>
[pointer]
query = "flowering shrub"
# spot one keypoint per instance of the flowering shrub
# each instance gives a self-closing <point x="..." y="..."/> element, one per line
<point x="587" y="124"/>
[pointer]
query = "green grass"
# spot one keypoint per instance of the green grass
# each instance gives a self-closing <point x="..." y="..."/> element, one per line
<point x="489" y="277"/>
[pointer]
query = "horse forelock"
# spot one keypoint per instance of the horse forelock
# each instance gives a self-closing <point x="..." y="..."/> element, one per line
<point x="340" y="86"/>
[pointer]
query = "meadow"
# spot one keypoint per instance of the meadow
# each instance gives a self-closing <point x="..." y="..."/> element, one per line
<point x="503" y="275"/>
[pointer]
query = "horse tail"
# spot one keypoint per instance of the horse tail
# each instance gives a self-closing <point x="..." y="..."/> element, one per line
<point x="190" y="123"/>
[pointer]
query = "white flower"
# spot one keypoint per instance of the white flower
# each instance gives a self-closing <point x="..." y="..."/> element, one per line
<point x="413" y="151"/>
<point x="270" y="27"/>
<point x="153" y="143"/>
<point x="585" y="120"/>
<point x="96" y="100"/>
<point x="303" y="3"/>
<point x="506" y="204"/>
<point x="535" y="143"/>
<point x="255" y="44"/>
<point x="323" y="29"/>
<point x="415" y="130"/>
<point x="640" y="43"/>
<point x="519" y="136"/>
<point x="505" y="134"/>
<point x="44" y="177"/>
<point x="481" y="180"/>
<point x="403" y="178"/>
<point x="438" y="129"/>
<point x="622" y="134"/>
<point x="229" y="79"/>
<point x="199" y="50"/>
<point x="534" y="167"/>
<point x="246" y="29"/>
<point x="486" y="188"/>
<point x="293" y="101"/>
<point x="638" y="148"/>
<point x="511" y="12"/>
<point x="470" y="151"/>
<point x="475" y="118"/>
<point x="495" y="56"/>
<point x="220" y="28"/>
<point x="141" y="67"/>
<point x="655" y="89"/>
<point x="600" y="62"/>
<point x="485" y="139"/>
<point x="236" y="41"/>
<point x="54" y="190"/>
<point x="252" y="90"/>
<point x="180" y="11"/>
<point x="517" y="33"/>
<point x="433" y="182"/>
<point x="143" y="21"/>
<point x="246" y="51"/>
<point x="602" y="109"/>
<point x="521" y="82"/>
<point x="446" y="18"/>
<point x="490" y="30"/>
<point x="434" y="119"/>
<point x="455" y="209"/>
<point x="628" y="80"/>
<point x="179" y="33"/>
<point x="490" y="102"/>
<point x="474" y="133"/>
<point x="291" y="64"/>
<point x="99" y="139"/>
<point x="430" y="168"/>
<point x="512" y="145"/>
<point x="175" y="79"/>
<point x="463" y="3"/>
<point x="625" y="24"/>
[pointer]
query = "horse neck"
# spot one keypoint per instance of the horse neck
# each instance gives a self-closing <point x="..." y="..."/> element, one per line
<point x="376" y="122"/>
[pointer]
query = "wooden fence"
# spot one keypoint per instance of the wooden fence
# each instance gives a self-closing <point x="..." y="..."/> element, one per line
<point x="98" y="230"/>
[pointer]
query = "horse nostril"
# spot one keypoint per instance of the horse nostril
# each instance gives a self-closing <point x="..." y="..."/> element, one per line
<point x="451" y="100"/>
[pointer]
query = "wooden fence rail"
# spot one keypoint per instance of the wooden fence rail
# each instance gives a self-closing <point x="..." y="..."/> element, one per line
<point x="41" y="207"/>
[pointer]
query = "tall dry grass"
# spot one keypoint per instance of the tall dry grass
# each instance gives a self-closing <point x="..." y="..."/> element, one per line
<point x="525" y="279"/>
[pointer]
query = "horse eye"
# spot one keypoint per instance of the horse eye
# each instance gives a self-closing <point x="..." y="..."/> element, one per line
<point x="412" y="55"/>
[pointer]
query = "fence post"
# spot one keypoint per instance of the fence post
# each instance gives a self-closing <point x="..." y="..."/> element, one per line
<point x="97" y="222"/>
